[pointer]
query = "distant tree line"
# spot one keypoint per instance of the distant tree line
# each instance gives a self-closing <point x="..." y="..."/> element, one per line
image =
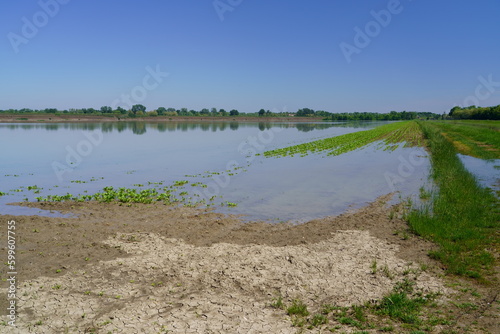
<point x="391" y="116"/>
<point x="473" y="112"/>
<point x="139" y="110"/>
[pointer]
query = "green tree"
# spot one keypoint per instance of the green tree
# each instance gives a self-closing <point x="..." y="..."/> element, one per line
<point x="305" y="112"/>
<point x="89" y="110"/>
<point x="121" y="110"/>
<point x="106" y="110"/>
<point x="234" y="112"/>
<point x="161" y="110"/>
<point x="453" y="110"/>
<point x="138" y="107"/>
<point x="262" y="112"/>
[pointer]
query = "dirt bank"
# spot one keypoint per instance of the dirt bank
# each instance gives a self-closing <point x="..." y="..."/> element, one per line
<point x="153" y="268"/>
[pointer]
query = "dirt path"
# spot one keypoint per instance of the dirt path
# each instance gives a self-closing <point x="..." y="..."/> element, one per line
<point x="153" y="268"/>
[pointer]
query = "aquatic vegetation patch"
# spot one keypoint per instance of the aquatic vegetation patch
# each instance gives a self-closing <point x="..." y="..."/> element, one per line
<point x="180" y="183"/>
<point x="174" y="194"/>
<point x="389" y="135"/>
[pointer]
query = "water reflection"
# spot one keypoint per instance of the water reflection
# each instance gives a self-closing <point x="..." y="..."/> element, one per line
<point x="140" y="127"/>
<point x="485" y="171"/>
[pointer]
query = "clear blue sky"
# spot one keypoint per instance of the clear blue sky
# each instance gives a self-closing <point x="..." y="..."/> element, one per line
<point x="267" y="54"/>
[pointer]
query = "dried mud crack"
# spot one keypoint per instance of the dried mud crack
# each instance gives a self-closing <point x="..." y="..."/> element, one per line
<point x="153" y="268"/>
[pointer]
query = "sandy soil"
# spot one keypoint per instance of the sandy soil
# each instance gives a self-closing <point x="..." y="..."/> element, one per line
<point x="52" y="118"/>
<point x="154" y="268"/>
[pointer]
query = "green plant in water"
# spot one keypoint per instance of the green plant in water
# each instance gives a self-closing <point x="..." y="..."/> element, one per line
<point x="399" y="132"/>
<point x="180" y="183"/>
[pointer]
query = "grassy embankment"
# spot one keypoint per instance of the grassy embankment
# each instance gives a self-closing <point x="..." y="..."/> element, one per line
<point x="462" y="217"/>
<point x="480" y="139"/>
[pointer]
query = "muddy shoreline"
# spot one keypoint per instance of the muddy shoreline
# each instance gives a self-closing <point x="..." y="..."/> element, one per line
<point x="148" y="268"/>
<point x="51" y="118"/>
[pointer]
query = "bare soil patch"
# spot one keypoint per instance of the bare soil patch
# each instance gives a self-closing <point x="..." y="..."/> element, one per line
<point x="153" y="268"/>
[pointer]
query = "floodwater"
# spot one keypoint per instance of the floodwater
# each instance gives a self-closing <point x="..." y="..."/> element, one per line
<point x="83" y="158"/>
<point x="487" y="172"/>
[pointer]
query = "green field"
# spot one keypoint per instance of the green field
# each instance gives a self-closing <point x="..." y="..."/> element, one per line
<point x="480" y="139"/>
<point x="388" y="134"/>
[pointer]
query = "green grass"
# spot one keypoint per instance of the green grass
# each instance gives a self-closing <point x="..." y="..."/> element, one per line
<point x="278" y="303"/>
<point x="400" y="307"/>
<point x="462" y="217"/>
<point x="477" y="139"/>
<point x="403" y="310"/>
<point x="318" y="320"/>
<point x="298" y="308"/>
<point x="403" y="304"/>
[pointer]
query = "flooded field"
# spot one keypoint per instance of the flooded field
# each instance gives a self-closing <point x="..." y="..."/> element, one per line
<point x="217" y="164"/>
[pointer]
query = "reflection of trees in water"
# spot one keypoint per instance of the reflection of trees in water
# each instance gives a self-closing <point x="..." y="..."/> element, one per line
<point x="305" y="127"/>
<point x="140" y="127"/>
<point x="264" y="126"/>
<point x="120" y="127"/>
<point x="106" y="127"/>
<point x="357" y="124"/>
<point x="234" y="125"/>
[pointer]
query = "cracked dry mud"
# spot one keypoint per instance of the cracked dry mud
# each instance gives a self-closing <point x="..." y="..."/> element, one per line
<point x="149" y="269"/>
